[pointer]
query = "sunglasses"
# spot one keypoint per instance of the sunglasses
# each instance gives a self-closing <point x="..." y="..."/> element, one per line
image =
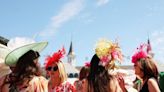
<point x="52" y="68"/>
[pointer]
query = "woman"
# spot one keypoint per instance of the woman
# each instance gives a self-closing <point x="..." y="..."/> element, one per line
<point x="26" y="76"/>
<point x="4" y="69"/>
<point x="99" y="79"/>
<point x="57" y="74"/>
<point x="82" y="77"/>
<point x="146" y="69"/>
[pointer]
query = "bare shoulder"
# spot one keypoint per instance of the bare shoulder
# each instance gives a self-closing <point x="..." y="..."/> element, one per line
<point x="38" y="79"/>
<point x="152" y="81"/>
<point x="85" y="85"/>
<point x="85" y="82"/>
<point x="153" y="85"/>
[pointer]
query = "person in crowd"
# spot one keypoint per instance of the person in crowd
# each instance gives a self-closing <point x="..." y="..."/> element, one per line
<point x="84" y="72"/>
<point x="99" y="78"/>
<point x="4" y="50"/>
<point x="146" y="69"/>
<point x="4" y="69"/>
<point x="57" y="74"/>
<point x="26" y="75"/>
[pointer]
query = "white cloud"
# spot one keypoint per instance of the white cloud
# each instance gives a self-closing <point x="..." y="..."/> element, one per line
<point x="67" y="12"/>
<point x="157" y="41"/>
<point x="102" y="2"/>
<point x="87" y="18"/>
<point x="18" y="42"/>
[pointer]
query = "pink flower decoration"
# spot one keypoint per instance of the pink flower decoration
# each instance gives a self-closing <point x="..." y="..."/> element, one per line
<point x="105" y="59"/>
<point x="87" y="64"/>
<point x="115" y="54"/>
<point x="140" y="54"/>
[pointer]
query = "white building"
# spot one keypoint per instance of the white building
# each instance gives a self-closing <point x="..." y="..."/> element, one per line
<point x="71" y="56"/>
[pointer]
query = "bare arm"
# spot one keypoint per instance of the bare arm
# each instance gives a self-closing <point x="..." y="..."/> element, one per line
<point x="114" y="85"/>
<point x="153" y="86"/>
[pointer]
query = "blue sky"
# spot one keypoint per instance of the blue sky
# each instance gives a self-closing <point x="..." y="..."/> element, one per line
<point x="85" y="22"/>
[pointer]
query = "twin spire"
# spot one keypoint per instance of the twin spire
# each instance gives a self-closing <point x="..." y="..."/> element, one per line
<point x="71" y="55"/>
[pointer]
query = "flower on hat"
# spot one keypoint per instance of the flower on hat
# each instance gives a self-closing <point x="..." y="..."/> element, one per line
<point x="87" y="64"/>
<point x="55" y="57"/>
<point x="108" y="51"/>
<point x="140" y="53"/>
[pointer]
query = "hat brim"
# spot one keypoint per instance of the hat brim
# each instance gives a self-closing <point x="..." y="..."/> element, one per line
<point x="12" y="58"/>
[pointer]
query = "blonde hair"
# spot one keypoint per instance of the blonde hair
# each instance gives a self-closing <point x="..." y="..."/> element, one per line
<point x="62" y="72"/>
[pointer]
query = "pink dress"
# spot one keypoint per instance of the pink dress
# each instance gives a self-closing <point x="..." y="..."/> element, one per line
<point x="64" y="87"/>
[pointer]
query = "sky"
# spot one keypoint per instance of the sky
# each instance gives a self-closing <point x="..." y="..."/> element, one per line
<point x="84" y="22"/>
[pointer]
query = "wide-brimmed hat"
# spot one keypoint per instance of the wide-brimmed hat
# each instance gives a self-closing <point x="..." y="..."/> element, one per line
<point x="12" y="58"/>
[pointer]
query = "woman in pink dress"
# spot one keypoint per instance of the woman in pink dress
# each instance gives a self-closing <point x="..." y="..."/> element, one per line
<point x="57" y="74"/>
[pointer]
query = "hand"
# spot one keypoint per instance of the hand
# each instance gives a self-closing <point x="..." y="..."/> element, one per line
<point x="121" y="82"/>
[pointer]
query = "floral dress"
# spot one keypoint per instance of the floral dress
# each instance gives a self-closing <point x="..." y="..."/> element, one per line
<point x="64" y="87"/>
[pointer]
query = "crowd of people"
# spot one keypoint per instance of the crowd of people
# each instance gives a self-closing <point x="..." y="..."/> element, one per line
<point x="20" y="70"/>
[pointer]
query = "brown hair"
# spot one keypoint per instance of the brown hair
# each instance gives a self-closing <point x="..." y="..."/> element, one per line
<point x="149" y="67"/>
<point x="26" y="68"/>
<point x="83" y="72"/>
<point x="98" y="79"/>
